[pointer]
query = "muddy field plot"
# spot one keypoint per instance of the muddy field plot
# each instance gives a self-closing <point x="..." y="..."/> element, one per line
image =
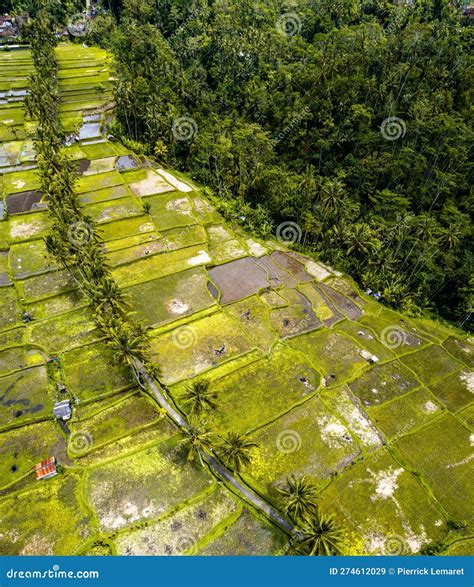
<point x="193" y="348"/>
<point x="325" y="311"/>
<point x="172" y="297"/>
<point x="180" y="533"/>
<point x="238" y="279"/>
<point x="248" y="536"/>
<point x="345" y="306"/>
<point x="309" y="440"/>
<point x="442" y="453"/>
<point x="22" y="448"/>
<point x="91" y="372"/>
<point x="50" y="519"/>
<point x="382" y="504"/>
<point x="24" y="397"/>
<point x="143" y="486"/>
<point x="257" y="393"/>
<point x="383" y="383"/>
<point x="403" y="414"/>
<point x="336" y="356"/>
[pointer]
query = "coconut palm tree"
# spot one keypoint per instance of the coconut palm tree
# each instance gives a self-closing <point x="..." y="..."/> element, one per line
<point x="197" y="437"/>
<point x="299" y="497"/>
<point x="321" y="535"/>
<point x="235" y="450"/>
<point x="199" y="397"/>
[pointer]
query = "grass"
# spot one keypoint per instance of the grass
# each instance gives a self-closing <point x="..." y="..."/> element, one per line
<point x="455" y="391"/>
<point x="49" y="519"/>
<point x="117" y="421"/>
<point x="24" y="397"/>
<point x="309" y="440"/>
<point x="406" y="413"/>
<point x="258" y="393"/>
<point x="431" y="363"/>
<point x="336" y="356"/>
<point x="442" y="453"/>
<point x="181" y="532"/>
<point x="248" y="536"/>
<point x="143" y="486"/>
<point x="379" y="502"/>
<point x="193" y="348"/>
<point x="91" y="373"/>
<point x="22" y="448"/>
<point x="30" y="258"/>
<point x="383" y="383"/>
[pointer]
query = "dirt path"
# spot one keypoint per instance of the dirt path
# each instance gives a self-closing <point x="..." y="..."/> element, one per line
<point x="220" y="471"/>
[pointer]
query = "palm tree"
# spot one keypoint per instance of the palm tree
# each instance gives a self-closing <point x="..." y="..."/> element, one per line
<point x="197" y="437"/>
<point x="199" y="396"/>
<point x="321" y="536"/>
<point x="299" y="497"/>
<point x="128" y="341"/>
<point x="235" y="450"/>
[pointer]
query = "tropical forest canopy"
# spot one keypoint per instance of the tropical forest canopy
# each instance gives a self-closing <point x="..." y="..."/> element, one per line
<point x="282" y="112"/>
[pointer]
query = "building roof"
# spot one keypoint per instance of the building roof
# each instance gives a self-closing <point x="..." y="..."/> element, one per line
<point x="62" y="410"/>
<point x="46" y="469"/>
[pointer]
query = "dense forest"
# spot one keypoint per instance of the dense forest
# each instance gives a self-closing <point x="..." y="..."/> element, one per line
<point x="341" y="125"/>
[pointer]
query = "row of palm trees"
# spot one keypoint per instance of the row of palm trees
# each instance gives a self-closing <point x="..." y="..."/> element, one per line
<point x="82" y="254"/>
<point x="319" y="533"/>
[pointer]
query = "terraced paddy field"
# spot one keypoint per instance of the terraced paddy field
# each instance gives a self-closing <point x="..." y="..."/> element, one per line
<point x="376" y="408"/>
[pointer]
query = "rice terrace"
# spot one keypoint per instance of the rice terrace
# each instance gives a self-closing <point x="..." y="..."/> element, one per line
<point x="174" y="383"/>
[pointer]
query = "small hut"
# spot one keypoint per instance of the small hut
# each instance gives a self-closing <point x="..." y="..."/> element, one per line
<point x="46" y="469"/>
<point x="62" y="410"/>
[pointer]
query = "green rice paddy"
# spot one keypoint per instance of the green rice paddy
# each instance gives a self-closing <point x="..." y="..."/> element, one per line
<point x="283" y="342"/>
